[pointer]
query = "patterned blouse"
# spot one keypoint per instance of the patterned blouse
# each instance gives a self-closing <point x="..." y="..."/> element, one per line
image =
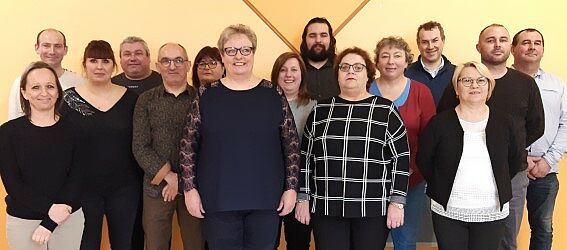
<point x="354" y="158"/>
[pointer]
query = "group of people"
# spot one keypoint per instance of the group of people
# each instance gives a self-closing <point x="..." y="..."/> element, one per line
<point x="324" y="145"/>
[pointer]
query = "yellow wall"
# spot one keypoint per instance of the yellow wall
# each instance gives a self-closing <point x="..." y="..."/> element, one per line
<point x="198" y="23"/>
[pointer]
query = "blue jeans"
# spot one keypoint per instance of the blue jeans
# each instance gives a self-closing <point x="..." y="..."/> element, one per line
<point x="404" y="237"/>
<point x="541" y="201"/>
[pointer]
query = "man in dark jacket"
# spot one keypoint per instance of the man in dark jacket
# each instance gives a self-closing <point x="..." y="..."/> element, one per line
<point x="431" y="68"/>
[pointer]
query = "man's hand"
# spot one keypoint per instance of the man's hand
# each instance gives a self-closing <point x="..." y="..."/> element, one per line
<point x="170" y="190"/>
<point x="540" y="170"/>
<point x="531" y="162"/>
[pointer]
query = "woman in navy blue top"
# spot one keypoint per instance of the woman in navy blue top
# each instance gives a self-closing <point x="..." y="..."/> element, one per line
<point x="240" y="152"/>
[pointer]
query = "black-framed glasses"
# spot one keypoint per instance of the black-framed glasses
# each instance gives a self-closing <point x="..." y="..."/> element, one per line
<point x="178" y="61"/>
<point x="231" y="51"/>
<point x="211" y="65"/>
<point x="468" y="81"/>
<point x="357" y="67"/>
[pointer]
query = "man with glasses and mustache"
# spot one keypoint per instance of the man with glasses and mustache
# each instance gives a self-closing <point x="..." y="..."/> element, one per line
<point x="135" y="62"/>
<point x="318" y="52"/>
<point x="51" y="46"/>
<point x="159" y="118"/>
<point x="518" y="95"/>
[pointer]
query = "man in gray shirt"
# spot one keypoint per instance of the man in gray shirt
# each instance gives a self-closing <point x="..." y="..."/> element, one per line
<point x="544" y="154"/>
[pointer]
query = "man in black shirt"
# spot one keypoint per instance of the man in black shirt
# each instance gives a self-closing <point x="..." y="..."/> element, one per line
<point x="135" y="62"/>
<point x="318" y="52"/>
<point x="518" y="95"/>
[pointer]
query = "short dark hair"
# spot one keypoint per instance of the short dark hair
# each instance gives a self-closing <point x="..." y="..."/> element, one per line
<point x="303" y="96"/>
<point x="490" y="26"/>
<point x="430" y="26"/>
<point x="99" y="49"/>
<point x="51" y="29"/>
<point x="516" y="36"/>
<point x="303" y="47"/>
<point x="25" y="104"/>
<point x="370" y="68"/>
<point x="207" y="51"/>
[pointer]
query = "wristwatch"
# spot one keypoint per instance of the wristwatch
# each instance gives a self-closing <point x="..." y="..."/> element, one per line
<point x="398" y="205"/>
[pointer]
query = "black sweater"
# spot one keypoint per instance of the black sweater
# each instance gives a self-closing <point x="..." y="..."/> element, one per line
<point x="441" y="147"/>
<point x="105" y="149"/>
<point x="516" y="94"/>
<point x="38" y="168"/>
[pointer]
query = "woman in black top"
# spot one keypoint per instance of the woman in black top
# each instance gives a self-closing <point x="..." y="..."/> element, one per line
<point x="354" y="162"/>
<point x="468" y="156"/>
<point x="38" y="168"/>
<point x="112" y="178"/>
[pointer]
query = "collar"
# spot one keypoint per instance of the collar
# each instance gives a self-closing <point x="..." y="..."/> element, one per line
<point x="164" y="92"/>
<point x="435" y="71"/>
<point x="538" y="74"/>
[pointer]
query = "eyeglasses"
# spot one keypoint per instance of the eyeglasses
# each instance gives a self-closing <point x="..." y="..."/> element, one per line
<point x="211" y="65"/>
<point x="231" y="51"/>
<point x="468" y="81"/>
<point x="357" y="67"/>
<point x="178" y="61"/>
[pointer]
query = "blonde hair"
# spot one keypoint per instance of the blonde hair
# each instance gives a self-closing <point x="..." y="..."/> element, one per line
<point x="483" y="70"/>
<point x="237" y="29"/>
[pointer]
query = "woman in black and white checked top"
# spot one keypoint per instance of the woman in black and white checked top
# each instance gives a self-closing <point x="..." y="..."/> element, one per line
<point x="355" y="162"/>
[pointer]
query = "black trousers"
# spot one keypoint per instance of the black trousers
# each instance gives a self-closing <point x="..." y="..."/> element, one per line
<point x="453" y="234"/>
<point x="297" y="235"/>
<point x="121" y="209"/>
<point x="333" y="233"/>
<point x="138" y="234"/>
<point x="238" y="230"/>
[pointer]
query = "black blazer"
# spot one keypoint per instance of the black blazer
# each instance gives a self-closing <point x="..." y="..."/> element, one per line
<point x="441" y="147"/>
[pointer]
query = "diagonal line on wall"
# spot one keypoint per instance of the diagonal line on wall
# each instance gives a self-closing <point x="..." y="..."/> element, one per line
<point x="284" y="38"/>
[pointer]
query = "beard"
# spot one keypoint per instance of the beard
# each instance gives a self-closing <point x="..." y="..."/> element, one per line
<point x="322" y="55"/>
<point x="493" y="60"/>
